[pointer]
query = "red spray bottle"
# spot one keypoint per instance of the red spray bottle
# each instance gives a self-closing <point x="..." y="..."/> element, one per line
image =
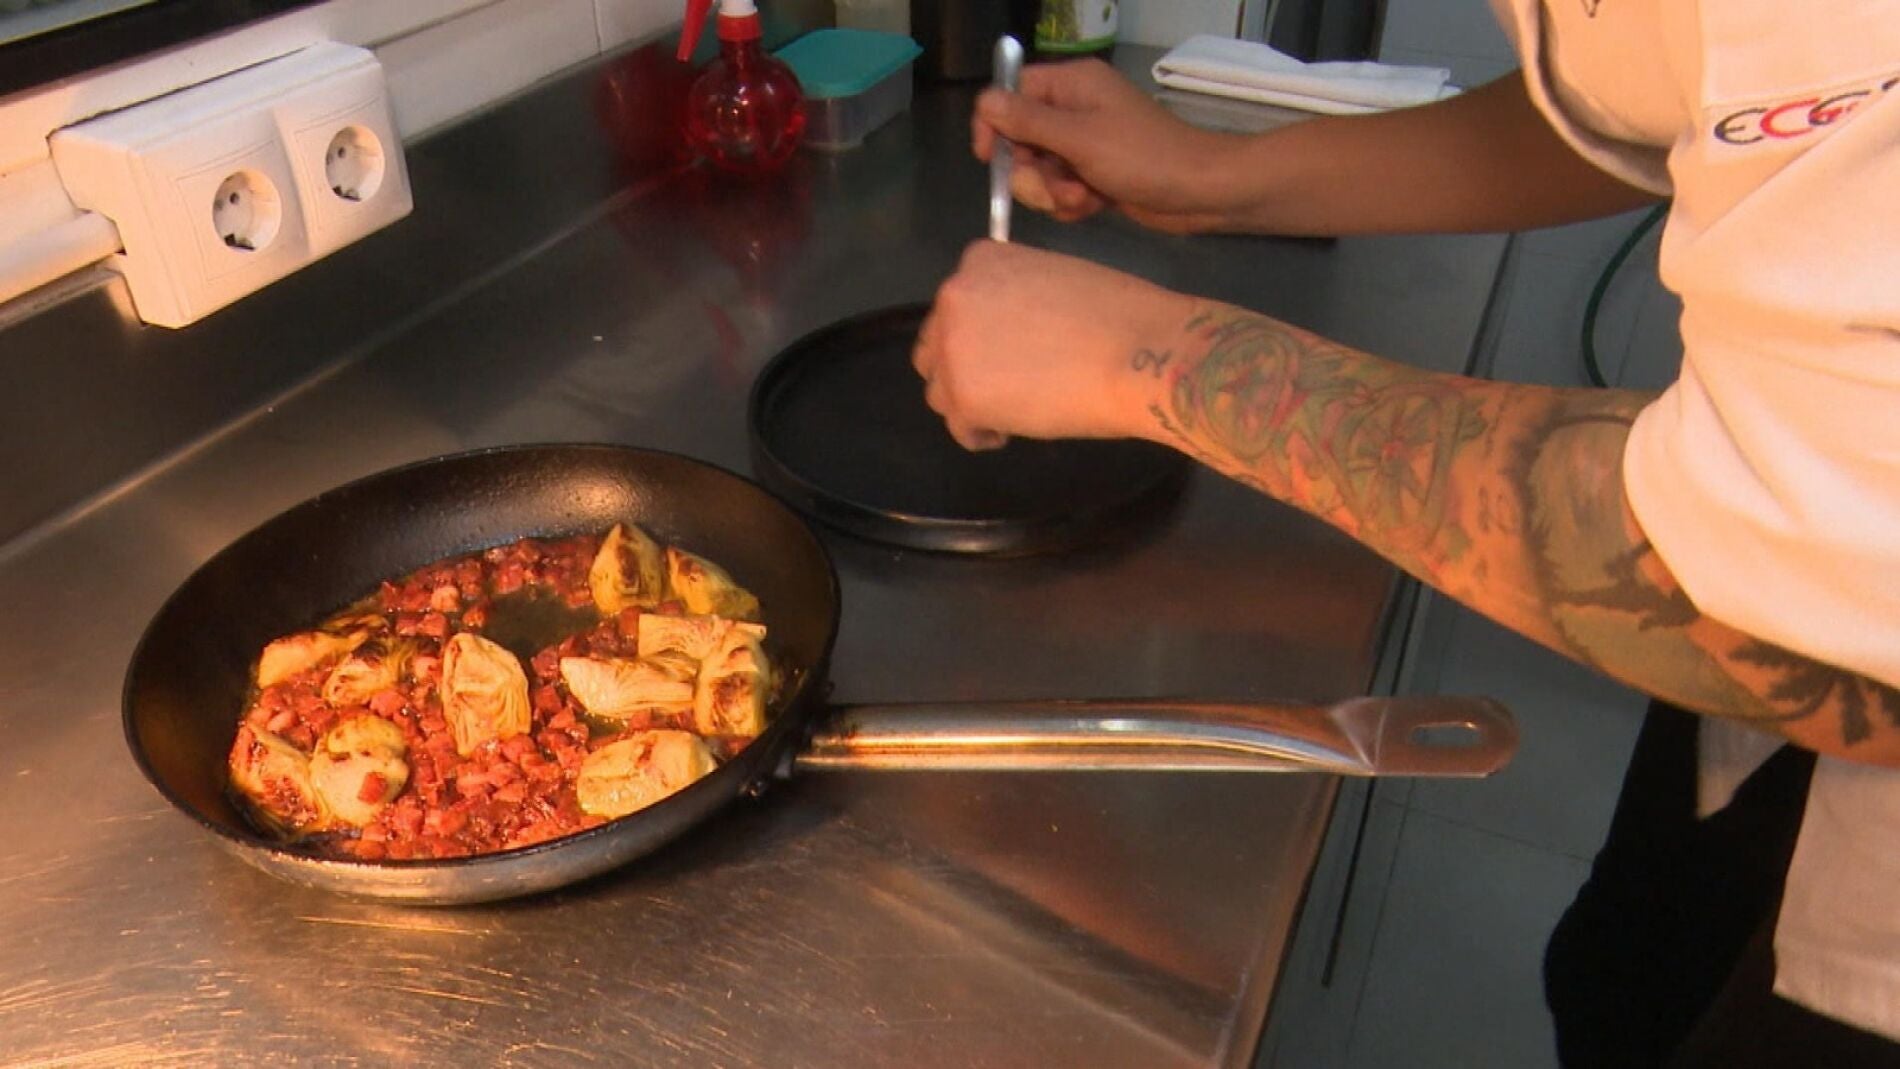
<point x="744" y="112"/>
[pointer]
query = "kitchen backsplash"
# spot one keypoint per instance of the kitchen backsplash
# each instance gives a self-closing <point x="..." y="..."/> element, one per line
<point x="90" y="398"/>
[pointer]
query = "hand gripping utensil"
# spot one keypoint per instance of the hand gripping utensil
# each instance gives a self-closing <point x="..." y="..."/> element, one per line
<point x="1007" y="77"/>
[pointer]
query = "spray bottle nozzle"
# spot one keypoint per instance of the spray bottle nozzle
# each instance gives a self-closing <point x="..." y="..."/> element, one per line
<point x="738" y="21"/>
<point x="695" y="22"/>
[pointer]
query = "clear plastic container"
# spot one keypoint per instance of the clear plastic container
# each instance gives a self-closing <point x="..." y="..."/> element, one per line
<point x="854" y="81"/>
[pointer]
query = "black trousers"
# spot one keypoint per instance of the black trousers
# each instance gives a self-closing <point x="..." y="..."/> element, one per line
<point x="1666" y="958"/>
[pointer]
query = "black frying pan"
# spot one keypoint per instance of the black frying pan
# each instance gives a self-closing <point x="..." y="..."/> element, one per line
<point x="189" y="676"/>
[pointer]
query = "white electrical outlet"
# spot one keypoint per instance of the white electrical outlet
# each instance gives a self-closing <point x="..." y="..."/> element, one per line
<point x="225" y="187"/>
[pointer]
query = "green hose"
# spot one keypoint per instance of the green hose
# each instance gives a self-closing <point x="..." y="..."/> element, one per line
<point x="1590" y="365"/>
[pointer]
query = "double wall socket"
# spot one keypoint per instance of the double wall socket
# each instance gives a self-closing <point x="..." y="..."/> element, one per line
<point x="222" y="188"/>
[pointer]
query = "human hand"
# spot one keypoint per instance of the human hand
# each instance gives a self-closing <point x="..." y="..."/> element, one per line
<point x="1022" y="341"/>
<point x="1085" y="138"/>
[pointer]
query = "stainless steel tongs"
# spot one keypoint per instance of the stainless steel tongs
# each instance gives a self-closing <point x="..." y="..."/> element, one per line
<point x="1007" y="77"/>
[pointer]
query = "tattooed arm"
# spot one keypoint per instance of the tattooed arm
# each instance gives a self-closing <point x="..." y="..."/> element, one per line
<point x="1507" y="497"/>
<point x="1087" y="139"/>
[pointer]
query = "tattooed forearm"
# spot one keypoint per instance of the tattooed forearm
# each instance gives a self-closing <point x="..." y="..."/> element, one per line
<point x="1151" y="361"/>
<point x="1507" y="497"/>
<point x="1368" y="447"/>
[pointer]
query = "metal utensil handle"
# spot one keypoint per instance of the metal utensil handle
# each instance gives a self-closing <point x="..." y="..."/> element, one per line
<point x="1408" y="736"/>
<point x="1007" y="76"/>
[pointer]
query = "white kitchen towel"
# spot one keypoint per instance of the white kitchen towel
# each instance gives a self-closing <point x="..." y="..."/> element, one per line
<point x="1248" y="70"/>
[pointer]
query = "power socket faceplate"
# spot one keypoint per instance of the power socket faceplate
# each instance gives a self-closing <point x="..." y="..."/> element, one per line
<point x="225" y="187"/>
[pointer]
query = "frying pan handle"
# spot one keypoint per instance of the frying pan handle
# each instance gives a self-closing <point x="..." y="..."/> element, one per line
<point x="1402" y="736"/>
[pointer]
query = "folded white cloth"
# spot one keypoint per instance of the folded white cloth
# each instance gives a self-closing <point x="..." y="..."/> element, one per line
<point x="1248" y="70"/>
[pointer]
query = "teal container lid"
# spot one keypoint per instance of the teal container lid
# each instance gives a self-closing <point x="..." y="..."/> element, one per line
<point x="844" y="63"/>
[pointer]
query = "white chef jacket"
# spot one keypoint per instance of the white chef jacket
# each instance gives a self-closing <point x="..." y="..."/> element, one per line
<point x="1768" y="476"/>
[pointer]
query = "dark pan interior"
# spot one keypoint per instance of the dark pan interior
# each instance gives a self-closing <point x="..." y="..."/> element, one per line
<point x="840" y="429"/>
<point x="188" y="680"/>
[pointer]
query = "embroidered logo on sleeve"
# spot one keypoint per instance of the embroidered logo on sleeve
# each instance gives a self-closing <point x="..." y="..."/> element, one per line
<point x="1788" y="119"/>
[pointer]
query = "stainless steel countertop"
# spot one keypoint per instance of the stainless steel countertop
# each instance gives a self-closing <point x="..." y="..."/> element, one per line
<point x="940" y="919"/>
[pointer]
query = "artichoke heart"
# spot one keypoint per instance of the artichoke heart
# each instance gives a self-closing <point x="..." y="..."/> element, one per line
<point x="689" y="636"/>
<point x="675" y="665"/>
<point x="377" y="666"/>
<point x="632" y="773"/>
<point x="484" y="692"/>
<point x="618" y="689"/>
<point x="733" y="685"/>
<point x="291" y="654"/>
<point x="705" y="588"/>
<point x="628" y="572"/>
<point x="275" y="777"/>
<point x="347" y="758"/>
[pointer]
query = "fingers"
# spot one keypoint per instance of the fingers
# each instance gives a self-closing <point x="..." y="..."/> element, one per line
<point x="928" y="358"/>
<point x="1069" y="83"/>
<point x="923" y="355"/>
<point x="1048" y="185"/>
<point x="1070" y="197"/>
<point x="937" y="394"/>
<point x="1027" y="186"/>
<point x="1049" y="94"/>
<point x="977" y="441"/>
<point x="1049" y="121"/>
<point x="969" y="436"/>
<point x="982" y="137"/>
<point x="1029" y="121"/>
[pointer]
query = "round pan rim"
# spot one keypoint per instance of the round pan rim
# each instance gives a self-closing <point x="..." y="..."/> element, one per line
<point x="773" y="739"/>
<point x="1012" y="536"/>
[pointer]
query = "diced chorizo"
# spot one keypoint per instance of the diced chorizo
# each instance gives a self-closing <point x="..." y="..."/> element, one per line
<point x="387" y="703"/>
